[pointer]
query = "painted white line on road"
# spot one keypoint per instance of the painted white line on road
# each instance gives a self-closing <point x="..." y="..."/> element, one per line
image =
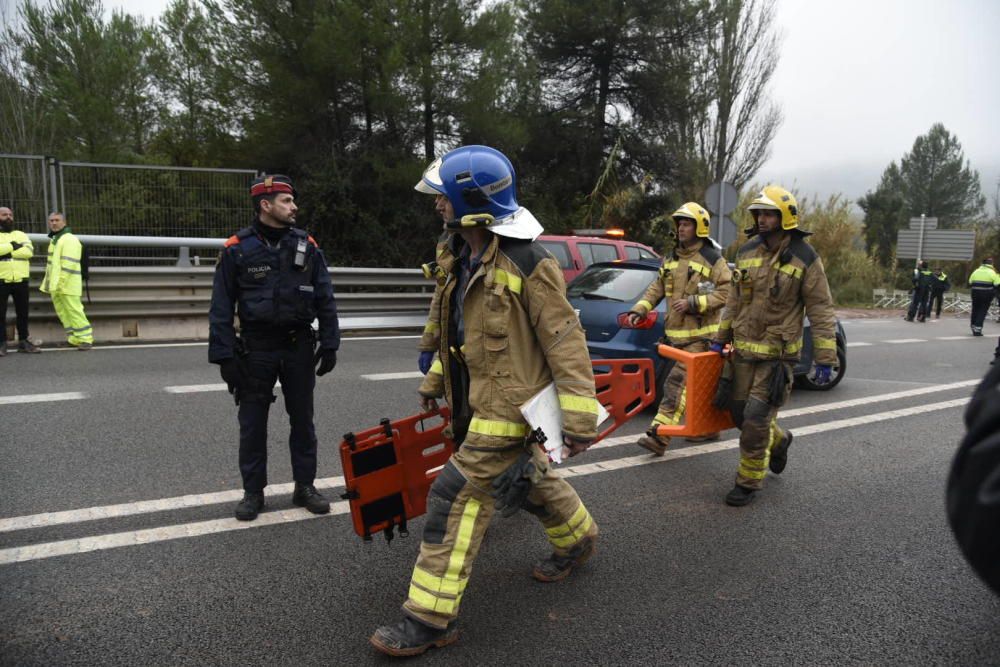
<point x="900" y="341"/>
<point x="198" y="388"/>
<point x="147" y="506"/>
<point x="953" y="337"/>
<point x="150" y="535"/>
<point x="138" y="346"/>
<point x="859" y="344"/>
<point x="393" y="376"/>
<point x="42" y="398"/>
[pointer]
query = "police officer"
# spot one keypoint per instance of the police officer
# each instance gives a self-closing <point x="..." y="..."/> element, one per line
<point x="939" y="286"/>
<point x="275" y="277"/>
<point x="15" y="253"/>
<point x="507" y="332"/>
<point x="695" y="280"/>
<point x="983" y="284"/>
<point x="923" y="280"/>
<point x="778" y="277"/>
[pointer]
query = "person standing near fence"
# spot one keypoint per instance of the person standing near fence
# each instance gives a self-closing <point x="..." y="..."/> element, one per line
<point x="275" y="276"/>
<point x="15" y="253"/>
<point x="983" y="283"/>
<point x="939" y="286"/>
<point x="64" y="282"/>
<point x="920" y="304"/>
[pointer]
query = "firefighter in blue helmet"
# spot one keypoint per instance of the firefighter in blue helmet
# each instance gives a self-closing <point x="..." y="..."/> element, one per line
<point x="275" y="277"/>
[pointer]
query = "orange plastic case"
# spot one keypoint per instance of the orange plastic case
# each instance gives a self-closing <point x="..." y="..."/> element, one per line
<point x="700" y="416"/>
<point x="389" y="469"/>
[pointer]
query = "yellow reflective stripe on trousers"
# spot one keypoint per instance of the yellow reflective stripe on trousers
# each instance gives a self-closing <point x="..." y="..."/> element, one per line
<point x="578" y="403"/>
<point x="643" y="302"/>
<point x="436" y="367"/>
<point x="432" y="602"/>
<point x="749" y="263"/>
<point x="433" y="584"/>
<point x="825" y="343"/>
<point x="700" y="268"/>
<point x="462" y="541"/>
<point x="512" y="282"/>
<point x="691" y="333"/>
<point x="753" y="468"/>
<point x="571" y="532"/>
<point x="793" y="271"/>
<point x="773" y="350"/>
<point x="431" y="327"/>
<point x="425" y="587"/>
<point x="674" y="419"/>
<point x="496" y="427"/>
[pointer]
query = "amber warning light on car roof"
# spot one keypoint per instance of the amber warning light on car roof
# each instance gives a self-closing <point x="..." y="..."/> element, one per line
<point x="614" y="233"/>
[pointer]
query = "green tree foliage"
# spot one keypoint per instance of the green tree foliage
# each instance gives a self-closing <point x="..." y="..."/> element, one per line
<point x="938" y="181"/>
<point x="885" y="215"/>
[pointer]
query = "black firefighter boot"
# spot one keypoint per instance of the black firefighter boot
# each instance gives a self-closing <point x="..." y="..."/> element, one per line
<point x="556" y="567"/>
<point x="250" y="506"/>
<point x="739" y="496"/>
<point x="779" y="455"/>
<point x="306" y="495"/>
<point x="411" y="637"/>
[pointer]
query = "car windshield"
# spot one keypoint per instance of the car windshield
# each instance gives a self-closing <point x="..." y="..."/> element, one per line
<point x="616" y="283"/>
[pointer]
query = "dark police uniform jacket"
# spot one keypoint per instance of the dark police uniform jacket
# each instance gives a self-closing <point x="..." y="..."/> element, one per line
<point x="271" y="295"/>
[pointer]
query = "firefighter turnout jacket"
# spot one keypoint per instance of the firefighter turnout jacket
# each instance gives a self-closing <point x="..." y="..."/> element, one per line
<point x="698" y="274"/>
<point x="520" y="334"/>
<point x="763" y="315"/>
<point x="14" y="262"/>
<point x="438" y="270"/>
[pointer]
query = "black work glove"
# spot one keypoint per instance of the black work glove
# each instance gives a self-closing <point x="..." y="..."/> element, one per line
<point x="325" y="361"/>
<point x="231" y="375"/>
<point x="512" y="486"/>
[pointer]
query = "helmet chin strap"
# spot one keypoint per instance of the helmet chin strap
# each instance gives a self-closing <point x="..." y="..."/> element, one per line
<point x="470" y="221"/>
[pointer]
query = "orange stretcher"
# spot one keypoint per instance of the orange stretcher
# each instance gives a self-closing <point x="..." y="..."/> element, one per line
<point x="389" y="469"/>
<point x="701" y="417"/>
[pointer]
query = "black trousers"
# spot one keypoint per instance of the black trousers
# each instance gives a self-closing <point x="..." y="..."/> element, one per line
<point x="920" y="305"/>
<point x="292" y="363"/>
<point x="937" y="298"/>
<point x="20" y="293"/>
<point x="981" y="300"/>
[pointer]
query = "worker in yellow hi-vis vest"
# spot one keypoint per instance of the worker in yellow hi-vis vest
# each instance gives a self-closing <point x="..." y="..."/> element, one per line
<point x="64" y="282"/>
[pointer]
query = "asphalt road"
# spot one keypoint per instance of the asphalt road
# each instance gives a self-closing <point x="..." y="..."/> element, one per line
<point x="117" y="543"/>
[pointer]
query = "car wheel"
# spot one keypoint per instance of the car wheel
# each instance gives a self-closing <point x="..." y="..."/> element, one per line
<point x="808" y="380"/>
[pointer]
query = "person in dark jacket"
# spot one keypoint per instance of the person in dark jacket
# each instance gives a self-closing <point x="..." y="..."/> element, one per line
<point x="920" y="303"/>
<point x="939" y="286"/>
<point x="275" y="277"/>
<point x="973" y="500"/>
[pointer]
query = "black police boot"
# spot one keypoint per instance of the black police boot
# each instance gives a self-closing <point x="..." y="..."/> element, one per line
<point x="250" y="506"/>
<point x="411" y="637"/>
<point x="740" y="496"/>
<point x="307" y="496"/>
<point x="3" y="349"/>
<point x="557" y="567"/>
<point x="28" y="347"/>
<point x="779" y="455"/>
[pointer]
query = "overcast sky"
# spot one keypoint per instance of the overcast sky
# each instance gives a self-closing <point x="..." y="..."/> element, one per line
<point x="859" y="80"/>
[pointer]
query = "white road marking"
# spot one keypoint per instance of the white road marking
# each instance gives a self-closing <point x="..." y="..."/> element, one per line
<point x="953" y="337"/>
<point x="42" y="398"/>
<point x="859" y="344"/>
<point x="900" y="341"/>
<point x="140" y="346"/>
<point x="150" y="535"/>
<point x="393" y="376"/>
<point x="197" y="388"/>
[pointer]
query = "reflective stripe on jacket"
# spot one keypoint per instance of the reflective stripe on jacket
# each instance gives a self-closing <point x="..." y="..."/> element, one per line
<point x="686" y="275"/>
<point x="983" y="278"/>
<point x="763" y="317"/>
<point x="432" y="329"/>
<point x="14" y="263"/>
<point x="63" y="269"/>
<point x="520" y="334"/>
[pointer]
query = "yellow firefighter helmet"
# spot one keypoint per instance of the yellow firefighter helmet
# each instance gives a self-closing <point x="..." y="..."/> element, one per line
<point x="777" y="198"/>
<point x="694" y="211"/>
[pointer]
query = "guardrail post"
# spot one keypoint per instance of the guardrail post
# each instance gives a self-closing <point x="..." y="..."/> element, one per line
<point x="184" y="257"/>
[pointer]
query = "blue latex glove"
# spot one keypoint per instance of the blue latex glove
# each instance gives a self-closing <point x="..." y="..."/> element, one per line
<point x="425" y="361"/>
<point x="716" y="347"/>
<point x="822" y="374"/>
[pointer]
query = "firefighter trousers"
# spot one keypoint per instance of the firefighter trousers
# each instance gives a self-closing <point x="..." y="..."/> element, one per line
<point x="69" y="309"/>
<point x="755" y="411"/>
<point x="459" y="509"/>
<point x="674" y="403"/>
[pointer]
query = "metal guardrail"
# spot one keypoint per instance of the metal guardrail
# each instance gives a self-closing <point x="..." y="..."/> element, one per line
<point x="954" y="302"/>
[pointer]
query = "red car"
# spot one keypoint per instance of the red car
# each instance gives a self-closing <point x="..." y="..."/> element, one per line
<point x="575" y="253"/>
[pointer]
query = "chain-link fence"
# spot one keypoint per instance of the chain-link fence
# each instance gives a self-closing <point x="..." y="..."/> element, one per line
<point x="24" y="188"/>
<point x="126" y="200"/>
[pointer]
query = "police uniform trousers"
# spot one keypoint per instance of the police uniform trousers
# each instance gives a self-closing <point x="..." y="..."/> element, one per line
<point x="674" y="403"/>
<point x="755" y="411"/>
<point x="19" y="291"/>
<point x="937" y="300"/>
<point x="920" y="304"/>
<point x="291" y="361"/>
<point x="69" y="310"/>
<point x="982" y="298"/>
<point x="459" y="509"/>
